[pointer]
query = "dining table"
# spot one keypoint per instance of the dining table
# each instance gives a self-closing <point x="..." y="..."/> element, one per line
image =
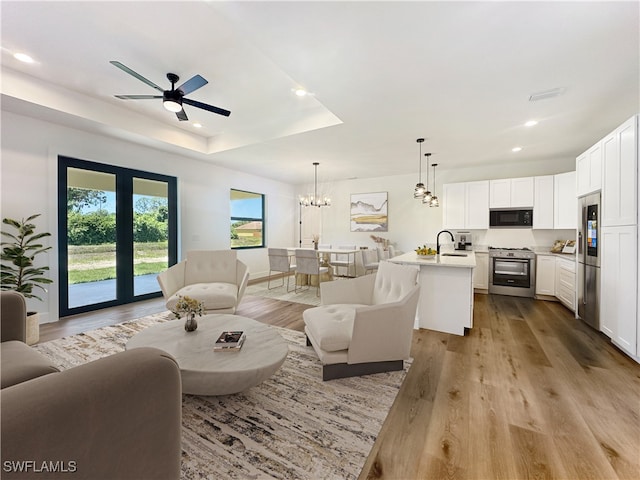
<point x="354" y="265"/>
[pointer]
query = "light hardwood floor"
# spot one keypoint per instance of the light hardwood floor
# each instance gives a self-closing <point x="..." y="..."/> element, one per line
<point x="529" y="392"/>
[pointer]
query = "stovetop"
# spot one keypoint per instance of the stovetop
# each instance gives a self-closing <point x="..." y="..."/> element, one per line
<point x="523" y="252"/>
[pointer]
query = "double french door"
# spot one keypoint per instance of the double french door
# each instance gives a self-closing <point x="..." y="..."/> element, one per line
<point x="117" y="229"/>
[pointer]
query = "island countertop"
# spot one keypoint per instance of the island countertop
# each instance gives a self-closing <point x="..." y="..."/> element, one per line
<point x="412" y="258"/>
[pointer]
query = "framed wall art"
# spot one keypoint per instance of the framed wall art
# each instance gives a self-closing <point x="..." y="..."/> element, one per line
<point x="369" y="212"/>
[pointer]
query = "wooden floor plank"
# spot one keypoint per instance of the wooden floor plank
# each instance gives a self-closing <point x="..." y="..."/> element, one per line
<point x="402" y="436"/>
<point x="488" y="435"/>
<point x="531" y="450"/>
<point x="448" y="433"/>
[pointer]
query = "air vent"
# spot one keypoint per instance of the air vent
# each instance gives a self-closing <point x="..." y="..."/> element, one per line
<point x="554" y="92"/>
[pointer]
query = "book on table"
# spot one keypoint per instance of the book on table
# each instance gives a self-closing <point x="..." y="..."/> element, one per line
<point x="230" y="340"/>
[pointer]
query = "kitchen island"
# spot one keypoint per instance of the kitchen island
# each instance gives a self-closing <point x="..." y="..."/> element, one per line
<point x="446" y="290"/>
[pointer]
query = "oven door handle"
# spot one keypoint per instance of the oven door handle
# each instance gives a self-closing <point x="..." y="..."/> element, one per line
<point x="513" y="274"/>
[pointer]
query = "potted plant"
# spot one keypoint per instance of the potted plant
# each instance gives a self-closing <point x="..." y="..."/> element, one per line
<point x="191" y="307"/>
<point x="19" y="249"/>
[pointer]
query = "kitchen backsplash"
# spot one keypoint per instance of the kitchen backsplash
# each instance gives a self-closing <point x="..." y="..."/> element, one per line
<point x="519" y="237"/>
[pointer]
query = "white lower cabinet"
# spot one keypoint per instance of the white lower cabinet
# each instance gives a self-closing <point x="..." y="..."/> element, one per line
<point x="481" y="272"/>
<point x="619" y="286"/>
<point x="545" y="275"/>
<point x="566" y="282"/>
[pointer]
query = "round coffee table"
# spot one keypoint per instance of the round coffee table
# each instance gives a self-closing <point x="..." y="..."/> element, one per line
<point x="208" y="372"/>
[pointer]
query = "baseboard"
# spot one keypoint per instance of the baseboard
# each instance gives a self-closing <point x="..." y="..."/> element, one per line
<point x="343" y="370"/>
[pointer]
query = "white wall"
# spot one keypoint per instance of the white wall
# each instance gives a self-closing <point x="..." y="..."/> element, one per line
<point x="412" y="224"/>
<point x="28" y="178"/>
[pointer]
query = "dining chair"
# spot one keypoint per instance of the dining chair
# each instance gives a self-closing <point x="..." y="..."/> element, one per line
<point x="382" y="254"/>
<point x="280" y="261"/>
<point x="343" y="260"/>
<point x="370" y="260"/>
<point x="308" y="263"/>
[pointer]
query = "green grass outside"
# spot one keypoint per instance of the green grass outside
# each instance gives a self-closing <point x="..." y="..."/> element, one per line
<point x="92" y="263"/>
<point x="108" y="273"/>
<point x="246" y="242"/>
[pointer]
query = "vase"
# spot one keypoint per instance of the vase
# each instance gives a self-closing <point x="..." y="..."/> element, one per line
<point x="315" y="245"/>
<point x="191" y="324"/>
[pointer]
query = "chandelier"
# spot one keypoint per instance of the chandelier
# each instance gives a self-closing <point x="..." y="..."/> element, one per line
<point x="315" y="200"/>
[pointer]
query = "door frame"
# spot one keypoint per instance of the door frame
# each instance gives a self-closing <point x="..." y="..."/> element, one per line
<point x="124" y="231"/>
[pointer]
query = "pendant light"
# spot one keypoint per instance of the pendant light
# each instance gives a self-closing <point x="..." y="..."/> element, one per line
<point x="315" y="200"/>
<point x="419" y="191"/>
<point x="434" y="199"/>
<point x="426" y="199"/>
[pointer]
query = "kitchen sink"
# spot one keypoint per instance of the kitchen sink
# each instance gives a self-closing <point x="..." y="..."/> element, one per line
<point x="454" y="255"/>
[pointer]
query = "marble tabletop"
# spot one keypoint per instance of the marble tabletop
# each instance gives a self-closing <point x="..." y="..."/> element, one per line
<point x="208" y="372"/>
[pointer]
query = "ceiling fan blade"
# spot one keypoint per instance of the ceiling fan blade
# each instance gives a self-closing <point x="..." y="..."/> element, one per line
<point x="124" y="68"/>
<point x="182" y="115"/>
<point x="137" y="97"/>
<point x="204" y="106"/>
<point x="192" y="84"/>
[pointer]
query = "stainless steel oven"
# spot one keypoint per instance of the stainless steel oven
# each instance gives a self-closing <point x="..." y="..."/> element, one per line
<point x="512" y="272"/>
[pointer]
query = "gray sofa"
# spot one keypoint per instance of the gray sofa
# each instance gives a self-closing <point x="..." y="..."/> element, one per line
<point x="115" y="418"/>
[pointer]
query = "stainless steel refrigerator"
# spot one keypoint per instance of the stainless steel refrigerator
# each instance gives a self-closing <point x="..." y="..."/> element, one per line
<point x="589" y="235"/>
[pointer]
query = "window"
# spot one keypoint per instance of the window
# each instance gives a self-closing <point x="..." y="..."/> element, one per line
<point x="247" y="219"/>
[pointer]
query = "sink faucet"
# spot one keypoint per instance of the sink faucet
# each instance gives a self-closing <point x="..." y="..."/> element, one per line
<point x="438" y="239"/>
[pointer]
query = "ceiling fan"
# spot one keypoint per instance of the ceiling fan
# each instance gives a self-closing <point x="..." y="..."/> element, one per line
<point x="174" y="98"/>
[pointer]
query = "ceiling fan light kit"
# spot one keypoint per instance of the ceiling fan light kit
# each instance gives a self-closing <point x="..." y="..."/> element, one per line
<point x="173" y="99"/>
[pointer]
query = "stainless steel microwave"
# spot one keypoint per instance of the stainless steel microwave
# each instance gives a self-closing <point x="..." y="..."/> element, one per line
<point x="511" y="218"/>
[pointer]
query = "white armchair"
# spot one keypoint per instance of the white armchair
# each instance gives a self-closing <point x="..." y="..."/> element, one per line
<point x="365" y="324"/>
<point x="215" y="277"/>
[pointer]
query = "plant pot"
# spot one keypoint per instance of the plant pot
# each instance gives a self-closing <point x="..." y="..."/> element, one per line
<point x="33" y="327"/>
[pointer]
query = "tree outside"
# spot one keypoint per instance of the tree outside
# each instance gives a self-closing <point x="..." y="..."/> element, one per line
<point x="91" y="225"/>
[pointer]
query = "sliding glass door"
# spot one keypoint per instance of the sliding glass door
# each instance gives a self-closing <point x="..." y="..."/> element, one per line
<point x="117" y="230"/>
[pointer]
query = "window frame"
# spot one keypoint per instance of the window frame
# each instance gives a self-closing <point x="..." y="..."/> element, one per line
<point x="262" y="220"/>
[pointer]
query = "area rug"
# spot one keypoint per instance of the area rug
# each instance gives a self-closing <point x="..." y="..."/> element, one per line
<point x="308" y="296"/>
<point x="292" y="426"/>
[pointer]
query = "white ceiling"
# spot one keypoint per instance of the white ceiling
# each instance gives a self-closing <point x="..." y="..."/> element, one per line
<point x="381" y="75"/>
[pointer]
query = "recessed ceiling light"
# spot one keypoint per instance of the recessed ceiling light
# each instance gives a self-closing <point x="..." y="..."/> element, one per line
<point x="531" y="123"/>
<point x="197" y="125"/>
<point x="516" y="149"/>
<point x="301" y="92"/>
<point x="23" y="57"/>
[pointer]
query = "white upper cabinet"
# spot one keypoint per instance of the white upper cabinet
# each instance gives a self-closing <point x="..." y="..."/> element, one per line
<point x="511" y="193"/>
<point x="465" y="205"/>
<point x="522" y="192"/>
<point x="500" y="193"/>
<point x="543" y="202"/>
<point x="453" y="205"/>
<point x="589" y="170"/>
<point x="620" y="176"/>
<point x="565" y="214"/>
<point x="477" y="205"/>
